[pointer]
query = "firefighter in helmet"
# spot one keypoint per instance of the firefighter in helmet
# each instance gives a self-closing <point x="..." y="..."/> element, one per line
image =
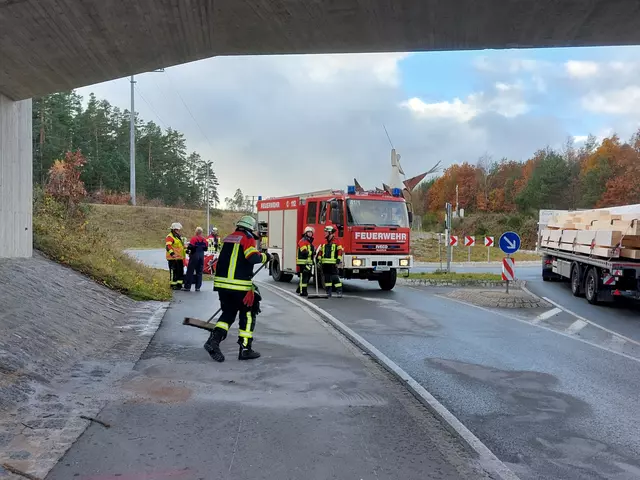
<point x="304" y="260"/>
<point x="175" y="254"/>
<point x="234" y="271"/>
<point x="330" y="258"/>
<point x="213" y="240"/>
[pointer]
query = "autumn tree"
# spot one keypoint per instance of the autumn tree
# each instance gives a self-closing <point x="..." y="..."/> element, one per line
<point x="64" y="183"/>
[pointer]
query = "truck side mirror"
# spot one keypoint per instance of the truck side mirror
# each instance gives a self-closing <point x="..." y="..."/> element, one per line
<point x="410" y="216"/>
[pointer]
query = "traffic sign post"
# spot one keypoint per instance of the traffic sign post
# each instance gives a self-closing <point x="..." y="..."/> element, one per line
<point x="488" y="242"/>
<point x="509" y="242"/>
<point x="469" y="241"/>
<point x="508" y="270"/>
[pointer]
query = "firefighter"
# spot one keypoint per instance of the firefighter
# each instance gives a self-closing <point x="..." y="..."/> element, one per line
<point x="175" y="256"/>
<point x="213" y="240"/>
<point x="233" y="283"/>
<point x="196" y="248"/>
<point x="304" y="260"/>
<point x="330" y="257"/>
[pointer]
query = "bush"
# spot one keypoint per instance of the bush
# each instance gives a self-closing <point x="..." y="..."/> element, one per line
<point x="70" y="239"/>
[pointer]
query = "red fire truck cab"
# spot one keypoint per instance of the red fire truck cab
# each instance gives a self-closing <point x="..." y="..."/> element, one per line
<point x="373" y="228"/>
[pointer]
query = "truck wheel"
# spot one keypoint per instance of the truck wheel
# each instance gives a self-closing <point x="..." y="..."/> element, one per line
<point x="277" y="273"/>
<point x="576" y="281"/>
<point x="591" y="286"/>
<point x="388" y="280"/>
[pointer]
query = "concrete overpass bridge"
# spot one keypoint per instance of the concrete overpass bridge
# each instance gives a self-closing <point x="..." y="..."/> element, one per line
<point x="53" y="45"/>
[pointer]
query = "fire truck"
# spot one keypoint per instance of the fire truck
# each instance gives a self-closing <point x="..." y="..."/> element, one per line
<point x="373" y="228"/>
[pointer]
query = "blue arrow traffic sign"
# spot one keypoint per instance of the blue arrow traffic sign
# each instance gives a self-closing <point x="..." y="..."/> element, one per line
<point x="509" y="242"/>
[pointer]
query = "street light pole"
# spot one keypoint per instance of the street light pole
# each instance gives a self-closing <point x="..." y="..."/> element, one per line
<point x="132" y="146"/>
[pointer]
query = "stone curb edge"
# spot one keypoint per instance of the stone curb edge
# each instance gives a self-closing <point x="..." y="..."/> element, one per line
<point x="487" y="459"/>
<point x="458" y="283"/>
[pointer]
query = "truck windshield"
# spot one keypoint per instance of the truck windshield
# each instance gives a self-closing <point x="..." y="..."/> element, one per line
<point x="377" y="212"/>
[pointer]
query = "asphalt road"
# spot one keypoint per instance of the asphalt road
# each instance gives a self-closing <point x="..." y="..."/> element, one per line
<point x="549" y="406"/>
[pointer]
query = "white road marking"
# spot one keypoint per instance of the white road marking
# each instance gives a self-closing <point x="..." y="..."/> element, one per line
<point x="545" y="315"/>
<point x="630" y="340"/>
<point x="576" y="326"/>
<point x="616" y="343"/>
<point x="487" y="458"/>
<point x="558" y="332"/>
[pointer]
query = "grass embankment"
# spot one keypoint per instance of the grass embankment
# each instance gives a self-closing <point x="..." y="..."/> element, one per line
<point x="453" y="276"/>
<point x="426" y="250"/>
<point x="146" y="227"/>
<point x="81" y="242"/>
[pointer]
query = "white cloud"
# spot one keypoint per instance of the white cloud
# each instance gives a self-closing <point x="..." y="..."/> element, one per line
<point x="580" y="138"/>
<point x="505" y="100"/>
<point x="581" y="69"/>
<point x="615" y="102"/>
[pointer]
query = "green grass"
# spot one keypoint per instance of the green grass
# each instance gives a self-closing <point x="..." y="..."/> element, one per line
<point x="84" y="244"/>
<point x="146" y="227"/>
<point x="452" y="276"/>
<point x="426" y="250"/>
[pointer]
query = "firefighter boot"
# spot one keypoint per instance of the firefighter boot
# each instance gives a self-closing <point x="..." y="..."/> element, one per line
<point x="246" y="353"/>
<point x="329" y="292"/>
<point x="339" y="292"/>
<point x="213" y="345"/>
<point x="304" y="292"/>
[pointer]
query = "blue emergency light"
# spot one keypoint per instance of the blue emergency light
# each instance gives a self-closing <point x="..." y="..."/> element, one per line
<point x="259" y="197"/>
<point x="395" y="192"/>
<point x="351" y="189"/>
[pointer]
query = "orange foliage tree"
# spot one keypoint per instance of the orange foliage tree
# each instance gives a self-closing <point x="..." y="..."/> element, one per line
<point x="64" y="183"/>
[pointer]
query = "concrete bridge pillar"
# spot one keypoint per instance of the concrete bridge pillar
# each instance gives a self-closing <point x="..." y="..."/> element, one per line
<point x="16" y="172"/>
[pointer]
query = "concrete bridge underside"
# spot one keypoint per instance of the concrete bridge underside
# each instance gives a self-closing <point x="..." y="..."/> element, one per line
<point x="53" y="45"/>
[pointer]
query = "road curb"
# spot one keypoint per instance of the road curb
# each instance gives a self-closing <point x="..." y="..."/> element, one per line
<point x="487" y="459"/>
<point x="458" y="283"/>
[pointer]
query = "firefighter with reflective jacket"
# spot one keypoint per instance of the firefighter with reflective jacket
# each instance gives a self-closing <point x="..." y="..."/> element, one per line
<point x="330" y="257"/>
<point x="304" y="260"/>
<point x="213" y="240"/>
<point x="175" y="255"/>
<point x="236" y="291"/>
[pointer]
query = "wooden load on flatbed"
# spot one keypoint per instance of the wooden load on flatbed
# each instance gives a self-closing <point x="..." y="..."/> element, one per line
<point x="599" y="233"/>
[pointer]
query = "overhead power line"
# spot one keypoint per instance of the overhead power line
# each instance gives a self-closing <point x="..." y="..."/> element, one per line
<point x="137" y="88"/>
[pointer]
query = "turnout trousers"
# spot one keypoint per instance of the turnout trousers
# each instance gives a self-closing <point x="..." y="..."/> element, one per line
<point x="305" y="276"/>
<point x="176" y="273"/>
<point x="231" y="303"/>
<point x="194" y="271"/>
<point x="331" y="278"/>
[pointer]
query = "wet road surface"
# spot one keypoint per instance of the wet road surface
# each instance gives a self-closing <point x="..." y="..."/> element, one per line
<point x="547" y="405"/>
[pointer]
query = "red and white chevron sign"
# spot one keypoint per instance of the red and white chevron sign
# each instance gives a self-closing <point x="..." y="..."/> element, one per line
<point x="469" y="241"/>
<point x="508" y="269"/>
<point x="453" y="240"/>
<point x="488" y="241"/>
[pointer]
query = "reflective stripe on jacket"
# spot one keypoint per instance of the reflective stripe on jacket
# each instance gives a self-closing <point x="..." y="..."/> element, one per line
<point x="304" y="255"/>
<point x="235" y="263"/>
<point x="330" y="253"/>
<point x="174" y="244"/>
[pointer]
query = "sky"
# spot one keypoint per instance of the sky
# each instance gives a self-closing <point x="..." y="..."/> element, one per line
<point x="281" y="125"/>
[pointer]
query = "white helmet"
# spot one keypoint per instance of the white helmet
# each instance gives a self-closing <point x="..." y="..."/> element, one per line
<point x="176" y="226"/>
<point x="309" y="229"/>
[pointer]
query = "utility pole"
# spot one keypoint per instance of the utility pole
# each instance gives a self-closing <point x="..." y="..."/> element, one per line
<point x="132" y="146"/>
<point x="208" y="197"/>
<point x="132" y="141"/>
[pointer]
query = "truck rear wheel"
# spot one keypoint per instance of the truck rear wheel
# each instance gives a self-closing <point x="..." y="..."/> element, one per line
<point x="388" y="280"/>
<point x="576" y="281"/>
<point x="591" y="286"/>
<point x="277" y="274"/>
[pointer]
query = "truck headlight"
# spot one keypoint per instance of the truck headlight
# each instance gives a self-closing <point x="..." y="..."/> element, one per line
<point x="357" y="262"/>
<point x="404" y="262"/>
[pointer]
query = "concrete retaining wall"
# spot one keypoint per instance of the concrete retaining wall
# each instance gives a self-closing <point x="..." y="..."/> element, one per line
<point x="52" y="317"/>
<point x="15" y="178"/>
<point x="458" y="283"/>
